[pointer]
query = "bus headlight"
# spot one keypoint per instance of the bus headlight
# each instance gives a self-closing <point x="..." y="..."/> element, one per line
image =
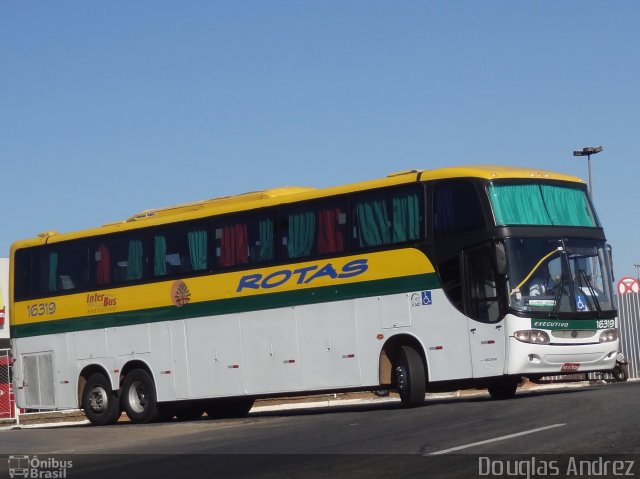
<point x="534" y="336"/>
<point x="609" y="335"/>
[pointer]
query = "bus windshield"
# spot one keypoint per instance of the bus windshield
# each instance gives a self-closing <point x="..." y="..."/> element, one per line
<point x="555" y="276"/>
<point x="541" y="204"/>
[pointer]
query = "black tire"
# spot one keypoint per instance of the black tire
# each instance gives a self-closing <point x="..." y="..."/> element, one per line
<point x="624" y="372"/>
<point x="410" y="379"/>
<point x="503" y="387"/>
<point x="139" y="397"/>
<point x="229" y="408"/>
<point x="99" y="401"/>
<point x="189" y="411"/>
<point x="619" y="373"/>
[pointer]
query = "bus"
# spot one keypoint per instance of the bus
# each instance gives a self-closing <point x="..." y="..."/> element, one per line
<point x="417" y="282"/>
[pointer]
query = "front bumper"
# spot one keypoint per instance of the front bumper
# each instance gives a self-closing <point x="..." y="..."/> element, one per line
<point x="549" y="359"/>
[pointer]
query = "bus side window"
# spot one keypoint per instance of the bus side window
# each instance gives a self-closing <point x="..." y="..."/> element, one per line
<point x="318" y="228"/>
<point x="63" y="267"/>
<point x="456" y="209"/>
<point x="180" y="249"/>
<point x="390" y="216"/>
<point x="23" y="274"/>
<point x="232" y="243"/>
<point x="261" y="239"/>
<point x="332" y="228"/>
<point x="450" y="275"/>
<point x="243" y="240"/>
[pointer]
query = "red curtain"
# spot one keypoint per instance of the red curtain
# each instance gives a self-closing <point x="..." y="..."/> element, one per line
<point x="103" y="266"/>
<point x="330" y="235"/>
<point x="233" y="246"/>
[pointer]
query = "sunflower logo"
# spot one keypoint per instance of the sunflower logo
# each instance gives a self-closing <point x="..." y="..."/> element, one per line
<point x="180" y="294"/>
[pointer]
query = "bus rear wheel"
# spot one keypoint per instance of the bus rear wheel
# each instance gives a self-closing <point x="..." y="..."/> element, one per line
<point x="139" y="397"/>
<point x="100" y="403"/>
<point x="410" y="377"/>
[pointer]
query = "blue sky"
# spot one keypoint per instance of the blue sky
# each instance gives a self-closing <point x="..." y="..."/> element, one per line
<point x="109" y="108"/>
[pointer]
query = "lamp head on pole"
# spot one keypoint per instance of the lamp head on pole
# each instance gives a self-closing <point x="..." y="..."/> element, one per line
<point x="588" y="150"/>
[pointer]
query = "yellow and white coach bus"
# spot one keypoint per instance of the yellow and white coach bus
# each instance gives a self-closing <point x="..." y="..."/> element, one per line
<point x="421" y="281"/>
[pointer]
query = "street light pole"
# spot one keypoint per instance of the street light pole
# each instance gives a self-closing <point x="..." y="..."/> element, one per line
<point x="588" y="151"/>
<point x="637" y="267"/>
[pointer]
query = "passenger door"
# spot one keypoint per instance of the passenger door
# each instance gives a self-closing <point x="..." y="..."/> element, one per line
<point x="482" y="307"/>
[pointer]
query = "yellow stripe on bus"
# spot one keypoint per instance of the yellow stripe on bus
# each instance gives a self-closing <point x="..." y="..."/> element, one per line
<point x="233" y="285"/>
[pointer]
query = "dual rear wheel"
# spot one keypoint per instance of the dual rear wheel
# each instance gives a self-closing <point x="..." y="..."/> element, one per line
<point x="102" y="406"/>
<point x="138" y="400"/>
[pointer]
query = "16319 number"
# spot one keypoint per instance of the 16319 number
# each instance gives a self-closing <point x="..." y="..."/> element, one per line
<point x="41" y="309"/>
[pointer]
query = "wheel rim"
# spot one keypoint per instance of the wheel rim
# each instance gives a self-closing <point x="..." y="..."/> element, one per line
<point x="98" y="399"/>
<point x="138" y="397"/>
<point x="401" y="378"/>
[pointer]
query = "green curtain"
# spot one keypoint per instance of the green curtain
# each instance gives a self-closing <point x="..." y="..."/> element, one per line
<point x="198" y="249"/>
<point x="53" y="272"/>
<point x="302" y="230"/>
<point x="373" y="223"/>
<point x="160" y="257"/>
<point x="518" y="205"/>
<point x="539" y="204"/>
<point x="265" y="231"/>
<point x="567" y="206"/>
<point x="406" y="218"/>
<point x="134" y="260"/>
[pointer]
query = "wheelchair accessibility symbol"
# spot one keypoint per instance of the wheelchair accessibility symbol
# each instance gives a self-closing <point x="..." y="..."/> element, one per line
<point x="426" y="298"/>
<point x="581" y="303"/>
<point x="421" y="299"/>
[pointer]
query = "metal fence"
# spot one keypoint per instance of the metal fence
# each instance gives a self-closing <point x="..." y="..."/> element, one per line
<point x="7" y="406"/>
<point x="629" y="319"/>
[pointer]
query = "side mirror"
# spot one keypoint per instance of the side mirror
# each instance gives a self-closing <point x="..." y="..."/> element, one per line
<point x="610" y="253"/>
<point x="501" y="259"/>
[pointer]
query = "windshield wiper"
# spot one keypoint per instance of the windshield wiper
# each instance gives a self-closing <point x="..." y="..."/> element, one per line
<point x="592" y="291"/>
<point x="557" y="297"/>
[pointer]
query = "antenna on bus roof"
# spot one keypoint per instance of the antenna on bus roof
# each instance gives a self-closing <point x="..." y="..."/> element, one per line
<point x="404" y="172"/>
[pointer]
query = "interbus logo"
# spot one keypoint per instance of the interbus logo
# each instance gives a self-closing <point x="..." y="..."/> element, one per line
<point x="101" y="303"/>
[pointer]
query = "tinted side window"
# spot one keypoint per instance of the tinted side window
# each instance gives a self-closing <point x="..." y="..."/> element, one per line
<point x="180" y="248"/>
<point x="22" y="274"/>
<point x="387" y="217"/>
<point x="244" y="239"/>
<point x="61" y="267"/>
<point x="456" y="209"/>
<point x="316" y="228"/>
<point x="119" y="259"/>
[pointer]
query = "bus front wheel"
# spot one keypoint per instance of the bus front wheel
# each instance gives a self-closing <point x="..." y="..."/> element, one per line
<point x="503" y="387"/>
<point x="409" y="377"/>
<point x="100" y="403"/>
<point x="139" y="397"/>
